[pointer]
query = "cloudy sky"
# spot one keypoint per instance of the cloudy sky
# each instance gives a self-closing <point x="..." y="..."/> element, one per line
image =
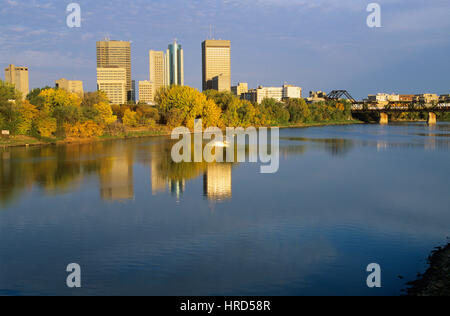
<point x="317" y="44"/>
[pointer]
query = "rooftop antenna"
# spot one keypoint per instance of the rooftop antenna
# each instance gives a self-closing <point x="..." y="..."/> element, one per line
<point x="210" y="31"/>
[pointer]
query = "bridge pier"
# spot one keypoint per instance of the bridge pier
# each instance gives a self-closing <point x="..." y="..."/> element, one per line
<point x="432" y="118"/>
<point x="384" y="118"/>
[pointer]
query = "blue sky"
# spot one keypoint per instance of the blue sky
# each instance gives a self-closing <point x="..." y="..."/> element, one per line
<point x="316" y="44"/>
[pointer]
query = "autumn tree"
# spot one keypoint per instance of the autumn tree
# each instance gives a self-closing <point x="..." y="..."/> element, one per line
<point x="105" y="115"/>
<point x="92" y="98"/>
<point x="27" y="114"/>
<point x="182" y="105"/>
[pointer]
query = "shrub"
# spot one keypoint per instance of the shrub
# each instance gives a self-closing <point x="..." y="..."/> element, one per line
<point x="83" y="130"/>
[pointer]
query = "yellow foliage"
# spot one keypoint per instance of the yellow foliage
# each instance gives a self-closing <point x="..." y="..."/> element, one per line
<point x="59" y="97"/>
<point x="106" y="114"/>
<point x="45" y="124"/>
<point x="181" y="105"/>
<point x="130" y="118"/>
<point x="83" y="130"/>
<point x="27" y="113"/>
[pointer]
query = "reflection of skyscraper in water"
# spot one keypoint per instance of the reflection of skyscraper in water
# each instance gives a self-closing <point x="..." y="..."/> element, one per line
<point x="217" y="184"/>
<point x="116" y="179"/>
<point x="159" y="182"/>
<point x="177" y="188"/>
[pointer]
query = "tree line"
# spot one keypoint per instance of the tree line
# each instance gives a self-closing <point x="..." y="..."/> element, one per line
<point x="49" y="113"/>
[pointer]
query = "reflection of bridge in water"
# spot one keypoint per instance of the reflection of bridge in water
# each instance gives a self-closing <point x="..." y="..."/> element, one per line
<point x="385" y="108"/>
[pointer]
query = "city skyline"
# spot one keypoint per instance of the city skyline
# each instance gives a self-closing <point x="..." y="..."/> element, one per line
<point x="324" y="46"/>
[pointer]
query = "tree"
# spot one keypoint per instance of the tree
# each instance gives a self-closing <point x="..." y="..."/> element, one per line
<point x="298" y="110"/>
<point x="27" y="113"/>
<point x="277" y="114"/>
<point x="45" y="124"/>
<point x="59" y="97"/>
<point x="34" y="96"/>
<point x="105" y="116"/>
<point x="10" y="100"/>
<point x="63" y="106"/>
<point x="130" y="119"/>
<point x="182" y="105"/>
<point x="92" y="98"/>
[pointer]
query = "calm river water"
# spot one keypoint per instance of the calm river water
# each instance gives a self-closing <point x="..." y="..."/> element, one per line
<point x="136" y="223"/>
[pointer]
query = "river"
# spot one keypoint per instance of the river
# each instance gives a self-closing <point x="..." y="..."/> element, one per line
<point x="137" y="223"/>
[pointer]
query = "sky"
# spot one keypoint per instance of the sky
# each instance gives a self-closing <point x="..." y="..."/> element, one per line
<point x="316" y="44"/>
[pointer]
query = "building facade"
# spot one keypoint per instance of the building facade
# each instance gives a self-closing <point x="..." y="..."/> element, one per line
<point x="427" y="98"/>
<point x="174" y="64"/>
<point x="277" y="93"/>
<point x="216" y="65"/>
<point x="147" y="92"/>
<point x="291" y="92"/>
<point x="116" y="54"/>
<point x="113" y="81"/>
<point x="242" y="87"/>
<point x="18" y="76"/>
<point x="158" y="74"/>
<point x="73" y="86"/>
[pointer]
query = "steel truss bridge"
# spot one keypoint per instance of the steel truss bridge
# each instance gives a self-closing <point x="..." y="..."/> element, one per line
<point x="389" y="107"/>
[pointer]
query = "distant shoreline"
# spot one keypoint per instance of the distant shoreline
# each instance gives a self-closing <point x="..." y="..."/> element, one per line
<point x="26" y="141"/>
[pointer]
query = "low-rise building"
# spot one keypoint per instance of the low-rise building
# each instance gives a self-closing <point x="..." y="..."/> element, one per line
<point x="72" y="86"/>
<point x="406" y="97"/>
<point x="444" y="98"/>
<point x="291" y="92"/>
<point x="316" y="96"/>
<point x="427" y="98"/>
<point x="277" y="93"/>
<point x="242" y="87"/>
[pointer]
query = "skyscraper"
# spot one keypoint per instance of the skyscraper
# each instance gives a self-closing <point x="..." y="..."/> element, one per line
<point x="18" y="76"/>
<point x="116" y="54"/>
<point x="216" y="60"/>
<point x="174" y="65"/>
<point x="157" y="69"/>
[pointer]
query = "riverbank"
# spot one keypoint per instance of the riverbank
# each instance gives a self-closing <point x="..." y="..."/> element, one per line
<point x="25" y="141"/>
<point x="436" y="280"/>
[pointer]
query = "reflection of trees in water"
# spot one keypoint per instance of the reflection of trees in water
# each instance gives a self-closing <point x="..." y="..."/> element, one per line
<point x="334" y="146"/>
<point x="51" y="168"/>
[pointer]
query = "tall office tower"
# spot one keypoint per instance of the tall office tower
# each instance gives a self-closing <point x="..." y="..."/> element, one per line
<point x="113" y="81"/>
<point x="174" y="65"/>
<point x="116" y="54"/>
<point x="18" y="76"/>
<point x="157" y="73"/>
<point x="73" y="86"/>
<point x="216" y="59"/>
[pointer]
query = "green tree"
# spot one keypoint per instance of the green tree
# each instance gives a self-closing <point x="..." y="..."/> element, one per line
<point x="276" y="111"/>
<point x="10" y="100"/>
<point x="34" y="96"/>
<point x="92" y="98"/>
<point x="298" y="110"/>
